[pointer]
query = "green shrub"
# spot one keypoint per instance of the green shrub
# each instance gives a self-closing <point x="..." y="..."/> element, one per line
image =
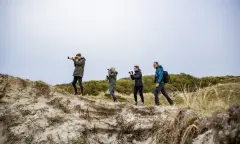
<point x="178" y="82"/>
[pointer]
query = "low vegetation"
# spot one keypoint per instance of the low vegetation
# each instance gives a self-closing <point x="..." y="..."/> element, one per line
<point x="179" y="83"/>
<point x="207" y="100"/>
<point x="204" y="95"/>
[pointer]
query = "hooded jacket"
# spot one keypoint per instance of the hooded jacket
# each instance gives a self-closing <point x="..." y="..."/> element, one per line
<point x="79" y="67"/>
<point x="159" y="74"/>
<point x="112" y="79"/>
<point x="137" y="76"/>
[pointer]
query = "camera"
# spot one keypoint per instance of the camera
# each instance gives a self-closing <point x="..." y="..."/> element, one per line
<point x="131" y="72"/>
<point x="71" y="57"/>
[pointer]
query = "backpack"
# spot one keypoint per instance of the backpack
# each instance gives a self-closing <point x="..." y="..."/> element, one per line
<point x="166" y="77"/>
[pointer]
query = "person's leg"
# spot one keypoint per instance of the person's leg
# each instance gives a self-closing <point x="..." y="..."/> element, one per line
<point x="135" y="95"/>
<point x="80" y="84"/>
<point x="166" y="95"/>
<point x="141" y="93"/>
<point x="156" y="92"/>
<point x="74" y="84"/>
<point x="113" y="95"/>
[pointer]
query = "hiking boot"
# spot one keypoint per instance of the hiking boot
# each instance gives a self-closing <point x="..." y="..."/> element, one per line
<point x="135" y="103"/>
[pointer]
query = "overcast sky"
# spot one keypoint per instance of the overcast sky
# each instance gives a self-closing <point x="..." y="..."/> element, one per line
<point x="197" y="37"/>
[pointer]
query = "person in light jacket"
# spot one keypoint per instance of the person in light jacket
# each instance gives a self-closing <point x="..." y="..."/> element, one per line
<point x="112" y="80"/>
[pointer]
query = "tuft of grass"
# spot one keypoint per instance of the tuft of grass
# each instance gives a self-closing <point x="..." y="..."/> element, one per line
<point x="42" y="88"/>
<point x="55" y="120"/>
<point x="211" y="99"/>
<point x="60" y="105"/>
<point x="189" y="131"/>
<point x="29" y="139"/>
<point x="25" y="112"/>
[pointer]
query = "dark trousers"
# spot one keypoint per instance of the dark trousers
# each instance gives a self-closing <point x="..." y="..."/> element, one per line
<point x="162" y="89"/>
<point x="140" y="90"/>
<point x="79" y="79"/>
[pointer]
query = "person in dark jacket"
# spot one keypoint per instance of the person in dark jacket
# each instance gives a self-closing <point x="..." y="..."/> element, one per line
<point x="112" y="79"/>
<point x="138" y="87"/>
<point x="160" y="84"/>
<point x="79" y="63"/>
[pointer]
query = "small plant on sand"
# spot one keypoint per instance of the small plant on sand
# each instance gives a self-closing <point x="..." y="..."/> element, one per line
<point x="42" y="88"/>
<point x="57" y="103"/>
<point x="55" y="120"/>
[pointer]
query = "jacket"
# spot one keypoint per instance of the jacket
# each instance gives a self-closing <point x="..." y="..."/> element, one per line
<point x="137" y="76"/>
<point x="159" y="74"/>
<point x="79" y="67"/>
<point x="112" y="79"/>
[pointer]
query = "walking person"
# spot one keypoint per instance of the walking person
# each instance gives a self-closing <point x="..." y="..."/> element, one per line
<point x="79" y="63"/>
<point x="159" y="78"/>
<point x="112" y="79"/>
<point x="138" y="87"/>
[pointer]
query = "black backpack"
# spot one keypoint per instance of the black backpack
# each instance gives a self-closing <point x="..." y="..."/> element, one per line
<point x="166" y="77"/>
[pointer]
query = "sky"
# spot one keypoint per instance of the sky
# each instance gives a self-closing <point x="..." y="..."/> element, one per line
<point x="197" y="37"/>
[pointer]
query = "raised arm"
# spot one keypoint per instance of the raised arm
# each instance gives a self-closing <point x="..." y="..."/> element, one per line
<point x="136" y="76"/>
<point x="79" y="63"/>
<point x="111" y="74"/>
<point x="132" y="77"/>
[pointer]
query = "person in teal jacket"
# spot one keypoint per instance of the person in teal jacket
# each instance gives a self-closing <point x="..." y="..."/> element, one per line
<point x="160" y="84"/>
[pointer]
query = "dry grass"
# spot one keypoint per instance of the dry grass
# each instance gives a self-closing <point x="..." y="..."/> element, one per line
<point x="212" y="99"/>
<point x="205" y="101"/>
<point x="42" y="88"/>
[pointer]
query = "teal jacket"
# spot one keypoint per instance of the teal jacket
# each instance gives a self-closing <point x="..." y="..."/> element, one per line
<point x="159" y="75"/>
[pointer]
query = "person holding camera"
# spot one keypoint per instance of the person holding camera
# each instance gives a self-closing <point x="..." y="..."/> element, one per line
<point x="138" y="87"/>
<point x="112" y="79"/>
<point x="79" y="63"/>
<point x="159" y="79"/>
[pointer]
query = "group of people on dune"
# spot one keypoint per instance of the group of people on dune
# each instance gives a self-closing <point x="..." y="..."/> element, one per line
<point x="161" y="77"/>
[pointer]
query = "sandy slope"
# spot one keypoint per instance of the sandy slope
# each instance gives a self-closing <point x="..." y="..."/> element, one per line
<point x="33" y="112"/>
